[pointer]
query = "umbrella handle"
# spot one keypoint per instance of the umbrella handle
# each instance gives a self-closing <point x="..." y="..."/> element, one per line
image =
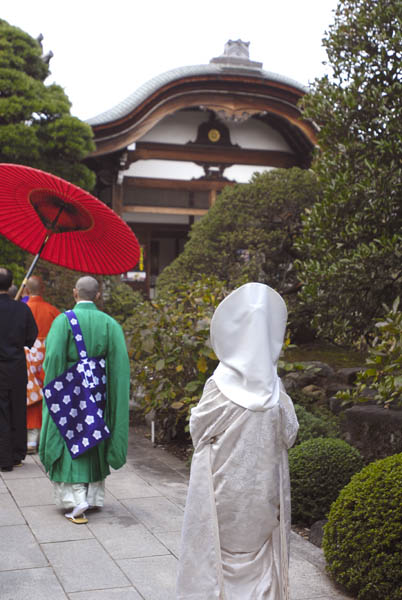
<point x="31" y="268"/>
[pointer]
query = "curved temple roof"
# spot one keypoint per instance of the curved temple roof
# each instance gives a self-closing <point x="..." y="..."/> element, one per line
<point x="231" y="85"/>
<point x="133" y="101"/>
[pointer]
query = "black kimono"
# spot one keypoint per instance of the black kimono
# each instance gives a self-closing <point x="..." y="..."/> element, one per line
<point x="17" y="329"/>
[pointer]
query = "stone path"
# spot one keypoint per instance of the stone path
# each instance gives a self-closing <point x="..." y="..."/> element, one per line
<point x="127" y="551"/>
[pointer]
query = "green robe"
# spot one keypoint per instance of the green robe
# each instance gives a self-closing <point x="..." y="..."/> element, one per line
<point x="103" y="336"/>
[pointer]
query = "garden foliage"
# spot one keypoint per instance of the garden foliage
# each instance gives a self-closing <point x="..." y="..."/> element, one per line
<point x="383" y="369"/>
<point x="248" y="235"/>
<point x="171" y="358"/>
<point x="36" y="127"/>
<point x="321" y="424"/>
<point x="319" y="469"/>
<point x="351" y="240"/>
<point x="363" y="537"/>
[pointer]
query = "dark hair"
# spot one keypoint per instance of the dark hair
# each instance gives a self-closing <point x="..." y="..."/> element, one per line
<point x="6" y="279"/>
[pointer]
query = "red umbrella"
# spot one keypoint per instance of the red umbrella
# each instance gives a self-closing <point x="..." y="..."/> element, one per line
<point x="60" y="222"/>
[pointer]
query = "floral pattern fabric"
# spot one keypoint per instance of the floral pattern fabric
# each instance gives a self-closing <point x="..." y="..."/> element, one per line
<point x="76" y="399"/>
<point x="35" y="357"/>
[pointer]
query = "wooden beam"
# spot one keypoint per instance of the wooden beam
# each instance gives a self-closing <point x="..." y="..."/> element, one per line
<point x="115" y="135"/>
<point x="117" y="201"/>
<point x="212" y="155"/>
<point x="199" y="185"/>
<point x="164" y="210"/>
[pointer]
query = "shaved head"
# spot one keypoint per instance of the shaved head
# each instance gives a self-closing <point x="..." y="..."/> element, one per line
<point x="34" y="285"/>
<point x="87" y="288"/>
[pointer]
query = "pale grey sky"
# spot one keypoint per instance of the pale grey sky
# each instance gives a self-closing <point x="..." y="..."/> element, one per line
<point x="103" y="51"/>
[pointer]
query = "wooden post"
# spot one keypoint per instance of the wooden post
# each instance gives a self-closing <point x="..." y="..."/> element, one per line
<point x="117" y="197"/>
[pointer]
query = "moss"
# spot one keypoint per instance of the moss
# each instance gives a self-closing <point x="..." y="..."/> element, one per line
<point x="334" y="356"/>
<point x="319" y="469"/>
<point x="363" y="538"/>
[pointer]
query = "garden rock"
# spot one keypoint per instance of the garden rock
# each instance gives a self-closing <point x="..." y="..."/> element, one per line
<point x="298" y="380"/>
<point x="375" y="431"/>
<point x="317" y="532"/>
<point x="348" y="374"/>
<point x="321" y="369"/>
<point x="313" y="391"/>
<point x="336" y="405"/>
<point x="337" y="386"/>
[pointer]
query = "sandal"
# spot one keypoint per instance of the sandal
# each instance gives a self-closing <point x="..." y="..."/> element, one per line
<point x="77" y="514"/>
<point x="78" y="520"/>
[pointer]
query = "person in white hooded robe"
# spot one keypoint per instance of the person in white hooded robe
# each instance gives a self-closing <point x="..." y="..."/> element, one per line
<point x="236" y="527"/>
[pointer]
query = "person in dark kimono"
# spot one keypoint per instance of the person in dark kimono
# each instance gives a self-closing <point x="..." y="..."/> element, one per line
<point x="17" y="329"/>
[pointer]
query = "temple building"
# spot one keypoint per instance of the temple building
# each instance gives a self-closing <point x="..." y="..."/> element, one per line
<point x="165" y="152"/>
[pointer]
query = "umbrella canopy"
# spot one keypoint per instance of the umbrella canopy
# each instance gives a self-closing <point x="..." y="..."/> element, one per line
<point x="46" y="215"/>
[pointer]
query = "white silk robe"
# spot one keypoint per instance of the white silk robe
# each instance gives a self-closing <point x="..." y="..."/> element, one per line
<point x="237" y="518"/>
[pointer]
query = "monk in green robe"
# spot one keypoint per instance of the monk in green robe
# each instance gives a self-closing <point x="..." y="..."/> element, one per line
<point x="79" y="482"/>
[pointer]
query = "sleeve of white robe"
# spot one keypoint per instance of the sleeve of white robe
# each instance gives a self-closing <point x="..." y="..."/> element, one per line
<point x="290" y="424"/>
<point x="200" y="536"/>
<point x="212" y="415"/>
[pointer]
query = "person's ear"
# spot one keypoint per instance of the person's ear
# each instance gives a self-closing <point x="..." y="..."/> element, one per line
<point x="98" y="295"/>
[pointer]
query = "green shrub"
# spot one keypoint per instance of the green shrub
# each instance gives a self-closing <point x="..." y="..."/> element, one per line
<point x="171" y="357"/>
<point x="319" y="469"/>
<point x="315" y="425"/>
<point x="363" y="538"/>
<point x="120" y="299"/>
<point x="383" y="369"/>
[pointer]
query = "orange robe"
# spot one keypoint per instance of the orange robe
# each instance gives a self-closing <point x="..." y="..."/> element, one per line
<point x="44" y="314"/>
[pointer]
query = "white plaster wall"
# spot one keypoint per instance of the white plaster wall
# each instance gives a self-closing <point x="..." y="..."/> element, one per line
<point x="165" y="169"/>
<point x="254" y="134"/>
<point x="179" y="128"/>
<point x="171" y="169"/>
<point x="243" y="173"/>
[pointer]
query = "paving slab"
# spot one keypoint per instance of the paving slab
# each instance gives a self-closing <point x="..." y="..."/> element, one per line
<point x="112" y="512"/>
<point x="19" y="549"/>
<point x="9" y="511"/>
<point x="30" y="584"/>
<point x="171" y="539"/>
<point x="28" y="469"/>
<point x="111" y="594"/>
<point x="176" y="491"/>
<point x="124" y="537"/>
<point x="158" y="514"/>
<point x="84" y="565"/>
<point x="308" y="582"/>
<point x="31" y="491"/>
<point x="154" y="577"/>
<point x="48" y="524"/>
<point x="132" y="486"/>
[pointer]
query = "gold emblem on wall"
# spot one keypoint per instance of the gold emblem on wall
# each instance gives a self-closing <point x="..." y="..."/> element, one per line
<point x="214" y="135"/>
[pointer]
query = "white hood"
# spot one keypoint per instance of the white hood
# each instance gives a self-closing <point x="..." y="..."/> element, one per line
<point x="247" y="334"/>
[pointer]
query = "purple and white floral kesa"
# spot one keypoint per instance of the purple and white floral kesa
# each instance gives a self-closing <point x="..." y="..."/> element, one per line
<point x="76" y="399"/>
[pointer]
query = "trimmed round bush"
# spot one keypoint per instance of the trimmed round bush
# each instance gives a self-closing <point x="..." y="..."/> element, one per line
<point x="314" y="426"/>
<point x="319" y="469"/>
<point x="363" y="537"/>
